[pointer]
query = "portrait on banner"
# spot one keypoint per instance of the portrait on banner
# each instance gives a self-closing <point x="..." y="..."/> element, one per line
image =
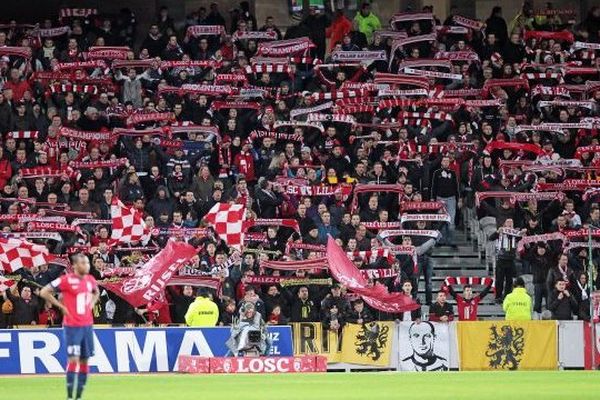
<point x="423" y="346"/>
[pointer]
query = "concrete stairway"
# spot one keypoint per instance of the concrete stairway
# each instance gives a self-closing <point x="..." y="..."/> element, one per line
<point x="464" y="261"/>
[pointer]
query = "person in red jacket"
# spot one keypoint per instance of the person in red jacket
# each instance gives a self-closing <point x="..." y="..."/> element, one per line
<point x="468" y="303"/>
<point x="18" y="86"/>
<point x="5" y="169"/>
<point x="244" y="162"/>
<point x="340" y="27"/>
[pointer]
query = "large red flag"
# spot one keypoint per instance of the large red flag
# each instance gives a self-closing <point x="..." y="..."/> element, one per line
<point x="148" y="283"/>
<point x="377" y="296"/>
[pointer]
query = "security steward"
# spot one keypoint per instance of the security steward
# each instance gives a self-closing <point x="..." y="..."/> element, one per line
<point x="203" y="312"/>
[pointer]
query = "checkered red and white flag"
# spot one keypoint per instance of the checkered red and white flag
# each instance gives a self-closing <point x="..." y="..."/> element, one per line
<point x="5" y="283"/>
<point x="127" y="224"/>
<point x="17" y="253"/>
<point x="228" y="222"/>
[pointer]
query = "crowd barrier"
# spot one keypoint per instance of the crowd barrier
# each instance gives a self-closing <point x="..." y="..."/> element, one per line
<point x="405" y="346"/>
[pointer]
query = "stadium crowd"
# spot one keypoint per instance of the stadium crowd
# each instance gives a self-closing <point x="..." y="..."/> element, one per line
<point x="387" y="137"/>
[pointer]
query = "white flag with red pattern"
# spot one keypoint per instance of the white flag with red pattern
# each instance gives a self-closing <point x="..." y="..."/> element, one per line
<point x="127" y="224"/>
<point x="17" y="253"/>
<point x="228" y="221"/>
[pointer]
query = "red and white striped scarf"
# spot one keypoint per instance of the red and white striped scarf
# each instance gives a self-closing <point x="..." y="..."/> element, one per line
<point x="24" y="52"/>
<point x="268" y="68"/>
<point x="411" y="16"/>
<point x="69" y="87"/>
<point x="546" y="237"/>
<point x="40" y="172"/>
<point x="469" y="280"/>
<point x="23" y="134"/>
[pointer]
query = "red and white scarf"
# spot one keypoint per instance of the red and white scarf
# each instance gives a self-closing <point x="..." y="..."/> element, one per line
<point x="205" y="30"/>
<point x="296" y="190"/>
<point x="433" y="74"/>
<point x="256" y="134"/>
<point x="108" y="52"/>
<point x="284" y="47"/>
<point x="23" y="134"/>
<point x="358" y="56"/>
<point x="464" y="55"/>
<point x="98" y="164"/>
<point x="467" y="22"/>
<point x="85" y="135"/>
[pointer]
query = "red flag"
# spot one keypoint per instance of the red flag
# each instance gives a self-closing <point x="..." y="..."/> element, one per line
<point x="127" y="224"/>
<point x="17" y="253"/>
<point x="377" y="295"/>
<point x="148" y="283"/>
<point x="228" y="222"/>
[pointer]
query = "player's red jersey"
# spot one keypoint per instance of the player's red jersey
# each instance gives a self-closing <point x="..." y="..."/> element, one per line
<point x="77" y="298"/>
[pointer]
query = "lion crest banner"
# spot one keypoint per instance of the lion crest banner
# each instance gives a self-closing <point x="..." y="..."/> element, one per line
<point x="368" y="344"/>
<point x="507" y="345"/>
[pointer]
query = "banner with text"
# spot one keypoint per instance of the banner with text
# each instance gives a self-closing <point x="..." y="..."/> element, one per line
<point x="368" y="344"/>
<point x="507" y="345"/>
<point x="123" y="350"/>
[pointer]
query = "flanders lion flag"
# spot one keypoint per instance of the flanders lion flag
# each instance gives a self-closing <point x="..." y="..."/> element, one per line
<point x="368" y="344"/>
<point x="507" y="345"/>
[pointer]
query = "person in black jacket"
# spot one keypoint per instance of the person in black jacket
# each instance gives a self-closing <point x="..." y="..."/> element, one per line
<point x="507" y="238"/>
<point x="303" y="308"/>
<point x="25" y="307"/>
<point x="562" y="303"/>
<point x="441" y="310"/>
<point x="268" y="198"/>
<point x="359" y="314"/>
<point x="497" y="25"/>
<point x="561" y="271"/>
<point x="181" y="303"/>
<point x="540" y="259"/>
<point x="582" y="295"/>
<point x="444" y="188"/>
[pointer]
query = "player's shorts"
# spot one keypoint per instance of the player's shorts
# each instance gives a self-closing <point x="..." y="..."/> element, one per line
<point x="79" y="341"/>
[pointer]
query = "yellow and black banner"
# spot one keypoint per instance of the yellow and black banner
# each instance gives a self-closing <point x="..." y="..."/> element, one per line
<point x="368" y="344"/>
<point x="507" y="345"/>
<point x="310" y="338"/>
